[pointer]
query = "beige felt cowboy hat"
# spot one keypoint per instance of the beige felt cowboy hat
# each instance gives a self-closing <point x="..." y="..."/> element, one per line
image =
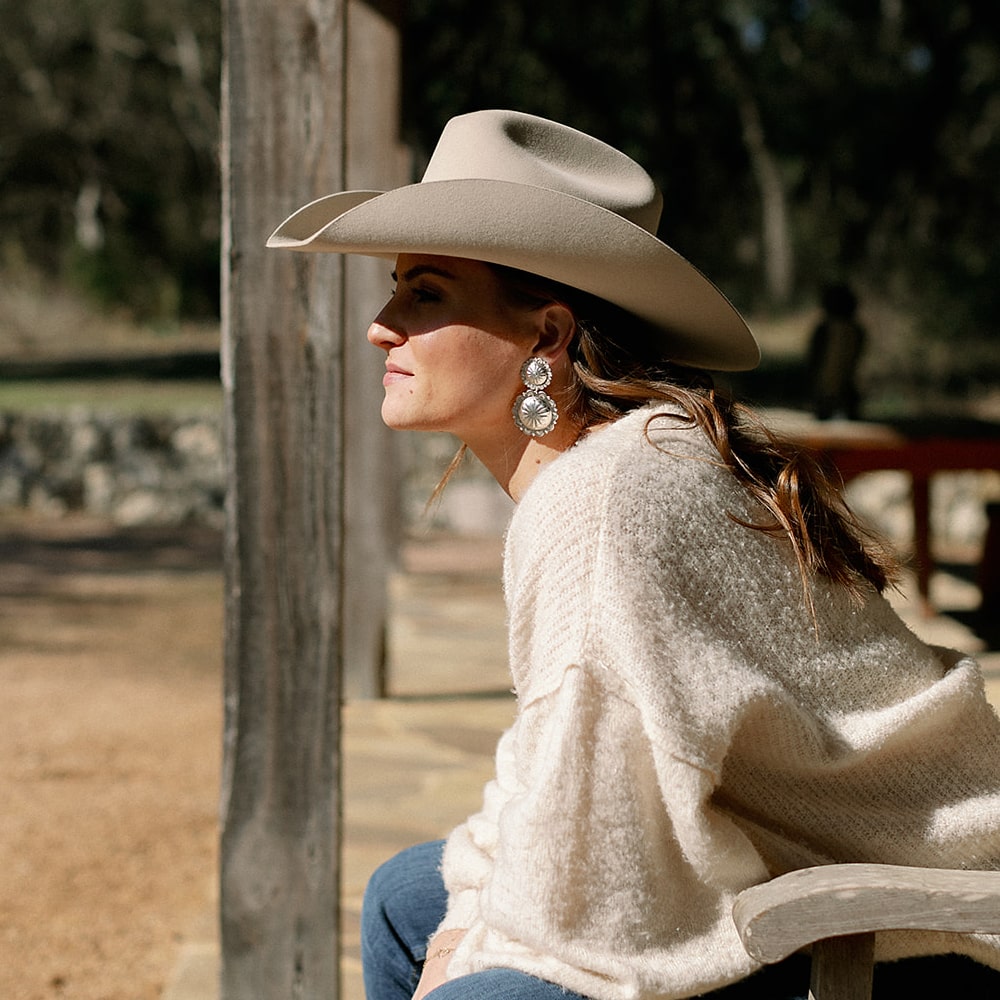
<point x="513" y="189"/>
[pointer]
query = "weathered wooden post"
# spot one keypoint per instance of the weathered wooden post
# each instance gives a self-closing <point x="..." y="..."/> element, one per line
<point x="285" y="140"/>
<point x="374" y="159"/>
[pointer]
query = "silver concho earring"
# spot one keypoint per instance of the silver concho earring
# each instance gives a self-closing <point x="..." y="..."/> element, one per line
<point x="535" y="411"/>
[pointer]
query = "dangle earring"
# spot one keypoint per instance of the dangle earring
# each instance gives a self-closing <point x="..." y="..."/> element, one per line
<point x="535" y="411"/>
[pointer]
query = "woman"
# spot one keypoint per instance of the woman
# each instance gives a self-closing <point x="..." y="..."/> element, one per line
<point x="710" y="688"/>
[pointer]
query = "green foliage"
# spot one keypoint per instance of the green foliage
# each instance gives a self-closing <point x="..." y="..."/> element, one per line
<point x="108" y="163"/>
<point x="881" y="122"/>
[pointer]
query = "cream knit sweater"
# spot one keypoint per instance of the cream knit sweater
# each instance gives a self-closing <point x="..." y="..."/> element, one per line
<point x="683" y="732"/>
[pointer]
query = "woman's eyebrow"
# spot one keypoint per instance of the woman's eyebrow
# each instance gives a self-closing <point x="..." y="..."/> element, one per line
<point x="419" y="269"/>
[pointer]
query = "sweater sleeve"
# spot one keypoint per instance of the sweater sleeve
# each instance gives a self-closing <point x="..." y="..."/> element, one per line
<point x="598" y="862"/>
<point x="596" y="882"/>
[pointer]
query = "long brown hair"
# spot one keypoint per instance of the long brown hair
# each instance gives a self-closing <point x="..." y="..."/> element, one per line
<point x="801" y="499"/>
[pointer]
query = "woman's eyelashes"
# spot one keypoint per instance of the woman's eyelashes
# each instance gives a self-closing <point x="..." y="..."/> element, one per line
<point x="418" y="294"/>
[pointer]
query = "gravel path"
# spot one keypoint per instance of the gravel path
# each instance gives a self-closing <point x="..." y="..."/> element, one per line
<point x="110" y="663"/>
<point x="110" y="668"/>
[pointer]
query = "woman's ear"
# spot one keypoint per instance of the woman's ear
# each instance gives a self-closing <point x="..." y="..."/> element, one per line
<point x="557" y="328"/>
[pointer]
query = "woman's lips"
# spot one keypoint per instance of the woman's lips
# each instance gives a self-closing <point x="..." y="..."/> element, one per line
<point x="393" y="373"/>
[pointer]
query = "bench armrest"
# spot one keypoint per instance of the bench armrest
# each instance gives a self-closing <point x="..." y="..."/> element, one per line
<point x="777" y="918"/>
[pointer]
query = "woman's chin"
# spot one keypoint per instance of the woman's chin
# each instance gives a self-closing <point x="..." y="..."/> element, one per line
<point x="397" y="420"/>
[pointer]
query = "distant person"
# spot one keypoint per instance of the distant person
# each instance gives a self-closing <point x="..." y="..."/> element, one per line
<point x="835" y="349"/>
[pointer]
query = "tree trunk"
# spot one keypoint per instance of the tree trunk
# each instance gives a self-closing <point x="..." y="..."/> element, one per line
<point x="776" y="238"/>
<point x="722" y="48"/>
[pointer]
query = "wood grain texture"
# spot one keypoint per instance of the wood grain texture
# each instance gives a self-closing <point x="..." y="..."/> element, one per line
<point x="842" y="968"/>
<point x="779" y="917"/>
<point x="310" y="102"/>
<point x="375" y="160"/>
<point x="282" y="376"/>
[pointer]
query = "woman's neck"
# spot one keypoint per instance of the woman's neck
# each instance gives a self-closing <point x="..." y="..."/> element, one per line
<point x="517" y="459"/>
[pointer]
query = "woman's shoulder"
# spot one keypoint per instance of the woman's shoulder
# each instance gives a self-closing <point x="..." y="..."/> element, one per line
<point x="654" y="448"/>
<point x="645" y="480"/>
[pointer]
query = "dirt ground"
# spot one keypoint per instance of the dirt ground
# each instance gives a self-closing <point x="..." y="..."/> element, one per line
<point x="110" y="744"/>
<point x="110" y="668"/>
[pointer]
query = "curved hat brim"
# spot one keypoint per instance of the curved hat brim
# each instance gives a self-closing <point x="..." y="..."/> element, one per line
<point x="545" y="232"/>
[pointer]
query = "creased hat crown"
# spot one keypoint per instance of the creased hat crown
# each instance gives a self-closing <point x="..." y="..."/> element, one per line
<point x="522" y="149"/>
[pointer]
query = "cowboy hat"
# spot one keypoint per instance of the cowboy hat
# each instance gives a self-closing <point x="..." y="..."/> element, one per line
<point x="509" y="188"/>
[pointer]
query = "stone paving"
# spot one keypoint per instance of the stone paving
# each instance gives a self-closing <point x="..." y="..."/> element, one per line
<point x="415" y="763"/>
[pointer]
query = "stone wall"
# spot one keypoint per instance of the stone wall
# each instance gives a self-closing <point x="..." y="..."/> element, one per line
<point x="169" y="469"/>
<point x="166" y="469"/>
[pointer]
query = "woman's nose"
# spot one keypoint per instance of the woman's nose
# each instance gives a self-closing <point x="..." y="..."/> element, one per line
<point x="382" y="334"/>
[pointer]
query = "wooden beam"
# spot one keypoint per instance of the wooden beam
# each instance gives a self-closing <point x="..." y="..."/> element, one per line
<point x="375" y="160"/>
<point x="310" y="106"/>
<point x="283" y="142"/>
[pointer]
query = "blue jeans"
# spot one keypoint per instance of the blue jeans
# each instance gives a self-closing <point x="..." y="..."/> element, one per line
<point x="406" y="900"/>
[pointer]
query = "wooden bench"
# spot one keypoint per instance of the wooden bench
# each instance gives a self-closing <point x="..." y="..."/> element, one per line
<point x="838" y="909"/>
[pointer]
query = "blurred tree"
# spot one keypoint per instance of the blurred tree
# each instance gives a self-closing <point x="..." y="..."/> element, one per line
<point x="796" y="141"/>
<point x="108" y="147"/>
<point x="886" y="118"/>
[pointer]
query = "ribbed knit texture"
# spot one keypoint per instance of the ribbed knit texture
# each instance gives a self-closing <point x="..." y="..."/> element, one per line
<point x="683" y="732"/>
